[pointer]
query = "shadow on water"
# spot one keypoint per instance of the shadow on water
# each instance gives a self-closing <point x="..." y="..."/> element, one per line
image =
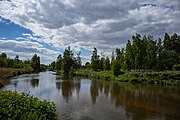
<point x="78" y="99"/>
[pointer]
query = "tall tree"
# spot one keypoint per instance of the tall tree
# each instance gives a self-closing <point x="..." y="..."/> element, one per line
<point x="67" y="61"/>
<point x="129" y="58"/>
<point x="167" y="41"/>
<point x="78" y="60"/>
<point x="107" y="65"/>
<point x="137" y="44"/>
<point x="116" y="68"/>
<point x="95" y="60"/>
<point x="35" y="63"/>
<point x="159" y="55"/>
<point x="59" y="62"/>
<point x="151" y="53"/>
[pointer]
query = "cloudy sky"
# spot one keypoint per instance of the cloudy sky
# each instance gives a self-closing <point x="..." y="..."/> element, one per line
<point x="47" y="27"/>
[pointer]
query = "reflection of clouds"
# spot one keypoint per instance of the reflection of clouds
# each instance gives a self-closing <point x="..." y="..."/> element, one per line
<point x="94" y="99"/>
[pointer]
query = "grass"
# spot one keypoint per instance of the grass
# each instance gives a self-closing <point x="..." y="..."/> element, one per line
<point x="10" y="72"/>
<point x="143" y="77"/>
<point x="21" y="106"/>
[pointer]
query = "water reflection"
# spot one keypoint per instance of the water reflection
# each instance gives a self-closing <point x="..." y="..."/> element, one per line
<point x="77" y="98"/>
<point x="34" y="82"/>
<point x="139" y="101"/>
<point x="67" y="86"/>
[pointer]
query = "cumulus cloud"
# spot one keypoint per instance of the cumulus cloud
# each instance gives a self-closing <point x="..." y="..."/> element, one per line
<point x="26" y="49"/>
<point x="84" y="24"/>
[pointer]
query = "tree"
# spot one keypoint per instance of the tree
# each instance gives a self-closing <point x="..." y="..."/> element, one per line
<point x="129" y="58"/>
<point x="116" y="68"/>
<point x="107" y="65"/>
<point x="112" y="57"/>
<point x="137" y="44"/>
<point x="87" y="65"/>
<point x="4" y="55"/>
<point x="159" y="55"/>
<point x="95" y="60"/>
<point x="167" y="42"/>
<point x="78" y="61"/>
<point x="67" y="61"/>
<point x="58" y="63"/>
<point x="35" y="63"/>
<point x="52" y="66"/>
<point x="151" y="53"/>
<point x="3" y="61"/>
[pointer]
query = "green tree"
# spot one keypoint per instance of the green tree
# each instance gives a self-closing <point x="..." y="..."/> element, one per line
<point x="3" y="60"/>
<point x="95" y="60"/>
<point x="116" y="68"/>
<point x="129" y="57"/>
<point x="159" y="55"/>
<point x="107" y="65"/>
<point x="59" y="63"/>
<point x="67" y="61"/>
<point x="35" y="63"/>
<point x="78" y="61"/>
<point x="167" y="41"/>
<point x="151" y="53"/>
<point x="137" y="44"/>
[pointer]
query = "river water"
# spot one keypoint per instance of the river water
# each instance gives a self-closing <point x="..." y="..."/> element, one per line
<point x="85" y="99"/>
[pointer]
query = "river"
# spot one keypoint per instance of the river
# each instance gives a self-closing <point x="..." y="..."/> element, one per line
<point x="85" y="99"/>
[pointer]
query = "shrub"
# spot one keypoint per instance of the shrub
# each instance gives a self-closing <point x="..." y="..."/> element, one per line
<point x="176" y="67"/>
<point x="17" y="106"/>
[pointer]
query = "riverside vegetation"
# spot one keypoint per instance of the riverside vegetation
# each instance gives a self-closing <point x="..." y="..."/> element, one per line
<point x="21" y="106"/>
<point x="12" y="67"/>
<point x="143" y="60"/>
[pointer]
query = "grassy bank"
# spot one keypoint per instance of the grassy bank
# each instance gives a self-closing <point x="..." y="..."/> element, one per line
<point x="21" y="106"/>
<point x="10" y="72"/>
<point x="159" y="78"/>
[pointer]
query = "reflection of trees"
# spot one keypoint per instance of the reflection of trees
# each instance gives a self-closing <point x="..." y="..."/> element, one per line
<point x="68" y="87"/>
<point x="139" y="102"/>
<point x="34" y="82"/>
<point x="94" y="90"/>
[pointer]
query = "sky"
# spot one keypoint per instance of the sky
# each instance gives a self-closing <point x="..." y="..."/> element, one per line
<point x="47" y="27"/>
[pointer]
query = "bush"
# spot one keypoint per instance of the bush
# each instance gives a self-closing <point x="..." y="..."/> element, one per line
<point x="176" y="67"/>
<point x="18" y="106"/>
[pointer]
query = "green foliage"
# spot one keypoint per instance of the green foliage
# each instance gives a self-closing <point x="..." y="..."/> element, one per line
<point x="67" y="61"/>
<point x="10" y="72"/>
<point x="19" y="106"/>
<point x="58" y="63"/>
<point x="95" y="60"/>
<point x="116" y="68"/>
<point x="176" y="67"/>
<point x="66" y="64"/>
<point x="6" y="62"/>
<point x="107" y="65"/>
<point x="35" y="63"/>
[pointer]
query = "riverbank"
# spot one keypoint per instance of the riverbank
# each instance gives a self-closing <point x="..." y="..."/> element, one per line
<point x="21" y="106"/>
<point x="10" y="72"/>
<point x="171" y="78"/>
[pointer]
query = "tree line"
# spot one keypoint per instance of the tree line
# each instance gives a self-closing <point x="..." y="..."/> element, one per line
<point x="143" y="53"/>
<point x="67" y="63"/>
<point x="33" y="64"/>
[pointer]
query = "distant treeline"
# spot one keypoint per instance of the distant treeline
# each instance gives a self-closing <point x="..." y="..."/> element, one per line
<point x="143" y="53"/>
<point x="66" y="63"/>
<point x="34" y="63"/>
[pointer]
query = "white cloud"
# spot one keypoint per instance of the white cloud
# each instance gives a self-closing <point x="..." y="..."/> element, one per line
<point x="104" y="24"/>
<point x="26" y="49"/>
